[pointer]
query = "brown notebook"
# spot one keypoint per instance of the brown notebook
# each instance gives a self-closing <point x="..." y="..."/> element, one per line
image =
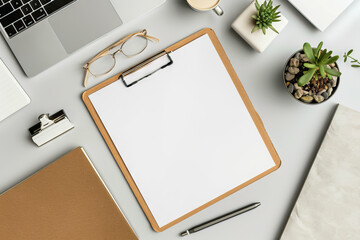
<point x="65" y="200"/>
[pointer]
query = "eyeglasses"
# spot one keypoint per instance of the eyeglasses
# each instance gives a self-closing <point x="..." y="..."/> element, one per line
<point x="105" y="61"/>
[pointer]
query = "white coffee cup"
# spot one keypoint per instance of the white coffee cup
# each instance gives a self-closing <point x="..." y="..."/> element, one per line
<point x="206" y="5"/>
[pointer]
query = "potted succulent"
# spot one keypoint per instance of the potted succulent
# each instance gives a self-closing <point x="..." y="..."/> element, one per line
<point x="312" y="75"/>
<point x="266" y="15"/>
<point x="253" y="24"/>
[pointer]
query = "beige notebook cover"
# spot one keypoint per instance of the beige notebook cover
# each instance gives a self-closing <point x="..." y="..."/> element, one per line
<point x="329" y="203"/>
<point x="65" y="200"/>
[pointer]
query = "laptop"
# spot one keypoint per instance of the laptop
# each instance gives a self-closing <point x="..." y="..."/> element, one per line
<point x="43" y="32"/>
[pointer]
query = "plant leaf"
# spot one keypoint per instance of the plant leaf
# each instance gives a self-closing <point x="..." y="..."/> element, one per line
<point x="323" y="52"/>
<point x="255" y="29"/>
<point x="254" y="16"/>
<point x="349" y="52"/>
<point x="306" y="77"/>
<point x="322" y="71"/>
<point x="332" y="60"/>
<point x="276" y="8"/>
<point x="354" y="61"/>
<point x="309" y="53"/>
<point x="264" y="30"/>
<point x="272" y="28"/>
<point x="262" y="8"/>
<point x="309" y="65"/>
<point x="332" y="72"/>
<point x="325" y="57"/>
<point x="330" y="76"/>
<point x="257" y="5"/>
<point x="355" y="65"/>
<point x="318" y="49"/>
<point x="345" y="58"/>
<point x="316" y="77"/>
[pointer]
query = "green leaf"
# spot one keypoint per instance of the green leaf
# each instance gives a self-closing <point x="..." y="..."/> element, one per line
<point x="322" y="71"/>
<point x="330" y="76"/>
<point x="255" y="29"/>
<point x="323" y="52"/>
<point x="332" y="60"/>
<point x="355" y="65"/>
<point x="263" y="30"/>
<point x="257" y="5"/>
<point x="309" y="65"/>
<point x="316" y="77"/>
<point x="318" y="49"/>
<point x="275" y="8"/>
<point x="332" y="72"/>
<point x="262" y="8"/>
<point x="325" y="58"/>
<point x="354" y="61"/>
<point x="272" y="28"/>
<point x="345" y="58"/>
<point x="254" y="16"/>
<point x="349" y="52"/>
<point x="309" y="52"/>
<point x="306" y="77"/>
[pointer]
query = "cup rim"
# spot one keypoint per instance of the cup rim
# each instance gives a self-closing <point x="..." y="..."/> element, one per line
<point x="203" y="9"/>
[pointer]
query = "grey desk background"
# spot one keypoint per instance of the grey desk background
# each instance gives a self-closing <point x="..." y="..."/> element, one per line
<point x="295" y="129"/>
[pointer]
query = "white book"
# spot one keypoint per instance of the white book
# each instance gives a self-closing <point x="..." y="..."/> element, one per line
<point x="321" y="13"/>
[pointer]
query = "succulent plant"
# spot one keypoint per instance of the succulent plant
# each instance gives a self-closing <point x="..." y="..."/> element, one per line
<point x="266" y="15"/>
<point x="319" y="59"/>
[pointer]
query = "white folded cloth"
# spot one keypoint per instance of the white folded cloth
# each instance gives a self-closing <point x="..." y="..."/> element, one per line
<point x="328" y="207"/>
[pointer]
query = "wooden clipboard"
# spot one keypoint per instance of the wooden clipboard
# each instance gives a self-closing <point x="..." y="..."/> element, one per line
<point x="240" y="89"/>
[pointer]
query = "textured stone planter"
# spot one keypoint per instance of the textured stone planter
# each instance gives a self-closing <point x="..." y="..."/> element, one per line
<point x="299" y="74"/>
<point x="244" y="24"/>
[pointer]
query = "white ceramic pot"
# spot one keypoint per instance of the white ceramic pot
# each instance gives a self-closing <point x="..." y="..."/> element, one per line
<point x="244" y="24"/>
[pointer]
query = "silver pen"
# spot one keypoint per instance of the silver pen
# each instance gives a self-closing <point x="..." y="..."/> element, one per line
<point x="220" y="219"/>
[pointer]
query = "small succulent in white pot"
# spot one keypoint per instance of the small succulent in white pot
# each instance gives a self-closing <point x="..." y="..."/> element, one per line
<point x="259" y="24"/>
<point x="266" y="15"/>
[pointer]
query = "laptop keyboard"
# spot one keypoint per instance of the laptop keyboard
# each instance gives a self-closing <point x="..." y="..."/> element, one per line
<point x="18" y="15"/>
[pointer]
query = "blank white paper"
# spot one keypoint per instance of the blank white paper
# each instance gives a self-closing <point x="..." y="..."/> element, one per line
<point x="12" y="96"/>
<point x="184" y="132"/>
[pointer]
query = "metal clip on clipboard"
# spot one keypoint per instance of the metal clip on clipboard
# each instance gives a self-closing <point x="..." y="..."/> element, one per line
<point x="146" y="68"/>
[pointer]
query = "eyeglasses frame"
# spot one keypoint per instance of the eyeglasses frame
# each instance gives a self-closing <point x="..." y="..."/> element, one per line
<point x="107" y="50"/>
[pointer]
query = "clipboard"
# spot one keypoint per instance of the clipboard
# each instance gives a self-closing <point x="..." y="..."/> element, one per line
<point x="150" y="71"/>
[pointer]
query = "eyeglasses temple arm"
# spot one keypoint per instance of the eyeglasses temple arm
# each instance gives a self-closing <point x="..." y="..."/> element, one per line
<point x="86" y="77"/>
<point x="154" y="39"/>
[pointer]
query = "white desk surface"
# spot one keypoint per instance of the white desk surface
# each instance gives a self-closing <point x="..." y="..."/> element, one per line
<point x="296" y="129"/>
